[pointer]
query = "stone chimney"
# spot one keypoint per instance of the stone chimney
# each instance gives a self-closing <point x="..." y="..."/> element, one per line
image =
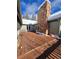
<point x="43" y="13"/>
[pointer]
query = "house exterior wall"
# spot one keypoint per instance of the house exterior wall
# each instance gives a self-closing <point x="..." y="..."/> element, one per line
<point x="43" y="14"/>
<point x="54" y="26"/>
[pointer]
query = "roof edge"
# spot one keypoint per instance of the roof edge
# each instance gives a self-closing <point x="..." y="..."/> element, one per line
<point x="54" y="16"/>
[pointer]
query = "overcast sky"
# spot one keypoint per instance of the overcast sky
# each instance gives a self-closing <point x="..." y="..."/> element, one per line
<point x="31" y="6"/>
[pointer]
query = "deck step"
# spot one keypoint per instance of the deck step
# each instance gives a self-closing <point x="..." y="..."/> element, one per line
<point x="56" y="54"/>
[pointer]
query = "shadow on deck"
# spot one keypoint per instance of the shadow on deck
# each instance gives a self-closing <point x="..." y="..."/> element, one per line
<point x="50" y="51"/>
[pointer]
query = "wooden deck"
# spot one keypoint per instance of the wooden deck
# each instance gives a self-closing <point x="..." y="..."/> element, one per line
<point x="32" y="45"/>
